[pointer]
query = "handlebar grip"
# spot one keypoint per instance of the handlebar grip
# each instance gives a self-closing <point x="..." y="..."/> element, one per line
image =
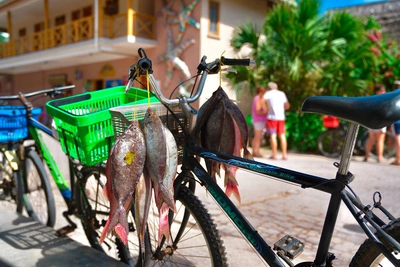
<point x="237" y="62"/>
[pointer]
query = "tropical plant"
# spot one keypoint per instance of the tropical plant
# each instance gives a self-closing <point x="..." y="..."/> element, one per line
<point x="307" y="54"/>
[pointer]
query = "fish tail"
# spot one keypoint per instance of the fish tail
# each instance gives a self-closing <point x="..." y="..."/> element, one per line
<point x="122" y="228"/>
<point x="232" y="188"/>
<point x="163" y="223"/>
<point x="168" y="198"/>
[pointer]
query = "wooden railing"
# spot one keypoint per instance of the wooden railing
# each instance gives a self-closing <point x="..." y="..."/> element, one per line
<point x="80" y="30"/>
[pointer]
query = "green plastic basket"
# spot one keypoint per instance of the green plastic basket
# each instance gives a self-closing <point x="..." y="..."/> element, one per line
<point x="84" y="123"/>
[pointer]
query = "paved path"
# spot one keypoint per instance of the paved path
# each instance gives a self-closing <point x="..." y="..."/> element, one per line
<point x="276" y="209"/>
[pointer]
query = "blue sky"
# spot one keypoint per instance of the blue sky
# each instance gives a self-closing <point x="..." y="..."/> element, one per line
<point x="329" y="4"/>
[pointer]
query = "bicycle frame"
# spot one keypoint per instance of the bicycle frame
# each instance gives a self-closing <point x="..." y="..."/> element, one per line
<point x="334" y="187"/>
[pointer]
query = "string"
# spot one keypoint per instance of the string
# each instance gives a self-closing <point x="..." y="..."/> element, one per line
<point x="148" y="88"/>
<point x="134" y="106"/>
<point x="220" y="72"/>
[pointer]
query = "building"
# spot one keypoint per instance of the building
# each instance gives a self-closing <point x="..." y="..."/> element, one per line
<point x="92" y="43"/>
<point x="386" y="13"/>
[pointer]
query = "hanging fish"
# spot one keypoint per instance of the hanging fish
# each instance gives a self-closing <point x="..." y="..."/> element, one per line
<point x="124" y="169"/>
<point x="161" y="164"/>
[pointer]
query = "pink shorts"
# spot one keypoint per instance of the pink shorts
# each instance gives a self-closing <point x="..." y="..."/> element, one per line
<point x="275" y="127"/>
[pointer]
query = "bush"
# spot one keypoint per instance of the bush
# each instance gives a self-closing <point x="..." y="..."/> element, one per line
<point x="302" y="131"/>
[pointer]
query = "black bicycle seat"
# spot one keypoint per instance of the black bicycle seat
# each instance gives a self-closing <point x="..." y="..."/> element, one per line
<point x="373" y="112"/>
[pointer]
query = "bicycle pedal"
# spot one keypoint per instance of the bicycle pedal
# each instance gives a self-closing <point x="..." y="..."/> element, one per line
<point x="291" y="246"/>
<point x="65" y="230"/>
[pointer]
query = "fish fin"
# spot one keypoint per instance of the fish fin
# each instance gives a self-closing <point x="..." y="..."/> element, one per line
<point x="247" y="154"/>
<point x="163" y="222"/>
<point x="105" y="231"/>
<point x="229" y="175"/>
<point x="232" y="188"/>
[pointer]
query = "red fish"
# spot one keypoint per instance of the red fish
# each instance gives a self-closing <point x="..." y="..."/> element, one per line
<point x="124" y="169"/>
<point x="161" y="164"/>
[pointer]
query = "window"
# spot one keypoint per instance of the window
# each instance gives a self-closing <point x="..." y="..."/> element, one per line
<point x="60" y="20"/>
<point x="76" y="14"/>
<point x="22" y="32"/>
<point x="87" y="11"/>
<point x="213" y="30"/>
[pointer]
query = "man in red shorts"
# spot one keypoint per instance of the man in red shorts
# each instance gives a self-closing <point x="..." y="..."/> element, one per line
<point x="277" y="105"/>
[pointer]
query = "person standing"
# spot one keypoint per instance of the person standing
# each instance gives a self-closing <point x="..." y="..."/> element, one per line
<point x="277" y="105"/>
<point x="259" y="111"/>
<point x="376" y="136"/>
<point x="396" y="132"/>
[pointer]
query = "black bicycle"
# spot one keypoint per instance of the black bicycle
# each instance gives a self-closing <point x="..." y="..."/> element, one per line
<point x="383" y="233"/>
<point x="331" y="142"/>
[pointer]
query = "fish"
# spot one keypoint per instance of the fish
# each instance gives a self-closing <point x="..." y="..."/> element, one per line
<point x="161" y="164"/>
<point x="211" y="136"/>
<point x="160" y="159"/>
<point x="142" y="205"/>
<point x="237" y="115"/>
<point x="230" y="182"/>
<point x="204" y="114"/>
<point x="124" y="168"/>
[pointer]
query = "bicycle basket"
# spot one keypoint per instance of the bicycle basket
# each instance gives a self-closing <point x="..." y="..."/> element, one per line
<point x="84" y="124"/>
<point x="123" y="116"/>
<point x="13" y="124"/>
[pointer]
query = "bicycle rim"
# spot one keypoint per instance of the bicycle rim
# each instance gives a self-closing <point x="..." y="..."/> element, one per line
<point x="194" y="239"/>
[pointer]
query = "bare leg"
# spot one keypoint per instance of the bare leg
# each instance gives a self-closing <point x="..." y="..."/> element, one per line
<point x="380" y="142"/>
<point x="283" y="142"/>
<point x="368" y="146"/>
<point x="256" y="143"/>
<point x="274" y="145"/>
<point x="397" y="140"/>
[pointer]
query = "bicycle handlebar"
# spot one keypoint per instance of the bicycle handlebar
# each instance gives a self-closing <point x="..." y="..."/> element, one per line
<point x="144" y="66"/>
<point x="47" y="92"/>
<point x="51" y="92"/>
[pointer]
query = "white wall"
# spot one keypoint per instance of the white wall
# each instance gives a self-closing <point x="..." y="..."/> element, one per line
<point x="232" y="14"/>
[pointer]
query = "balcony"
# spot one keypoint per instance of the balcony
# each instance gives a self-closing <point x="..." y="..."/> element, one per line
<point x="117" y="33"/>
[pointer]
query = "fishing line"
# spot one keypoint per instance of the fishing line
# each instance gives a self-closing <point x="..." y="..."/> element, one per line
<point x="220" y="73"/>
<point x="148" y="88"/>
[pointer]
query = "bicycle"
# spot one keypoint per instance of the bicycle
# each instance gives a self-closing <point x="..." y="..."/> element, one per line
<point x="22" y="175"/>
<point x="81" y="129"/>
<point x="382" y="241"/>
<point x="331" y="141"/>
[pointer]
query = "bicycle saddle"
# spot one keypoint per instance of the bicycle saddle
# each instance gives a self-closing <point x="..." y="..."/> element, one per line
<point x="373" y="112"/>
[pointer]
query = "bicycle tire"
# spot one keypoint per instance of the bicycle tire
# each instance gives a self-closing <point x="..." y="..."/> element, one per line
<point x="369" y="255"/>
<point x="389" y="149"/>
<point x="200" y="243"/>
<point x="94" y="209"/>
<point x="130" y="254"/>
<point x="330" y="142"/>
<point x="37" y="192"/>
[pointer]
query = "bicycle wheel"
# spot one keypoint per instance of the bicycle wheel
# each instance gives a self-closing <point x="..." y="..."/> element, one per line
<point x="389" y="149"/>
<point x="369" y="255"/>
<point x="95" y="208"/>
<point x="37" y="193"/>
<point x="194" y="238"/>
<point x="330" y="143"/>
<point x="193" y="242"/>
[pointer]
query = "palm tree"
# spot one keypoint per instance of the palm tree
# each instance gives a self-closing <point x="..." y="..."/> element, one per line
<point x="306" y="53"/>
